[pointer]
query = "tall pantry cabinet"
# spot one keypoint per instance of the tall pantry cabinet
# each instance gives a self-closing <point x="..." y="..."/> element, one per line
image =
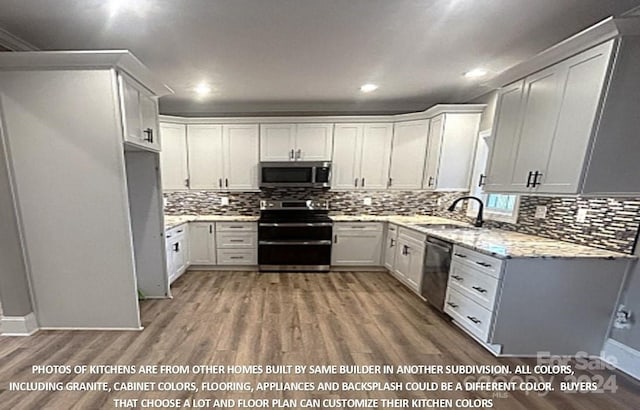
<point x="83" y="161"/>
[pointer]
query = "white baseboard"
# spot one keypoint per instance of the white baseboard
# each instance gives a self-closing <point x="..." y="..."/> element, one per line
<point x="18" y="325"/>
<point x="622" y="357"/>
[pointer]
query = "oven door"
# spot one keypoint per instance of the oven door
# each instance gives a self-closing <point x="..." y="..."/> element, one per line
<point x="294" y="246"/>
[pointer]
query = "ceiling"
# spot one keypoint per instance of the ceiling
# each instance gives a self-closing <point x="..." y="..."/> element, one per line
<point x="310" y="56"/>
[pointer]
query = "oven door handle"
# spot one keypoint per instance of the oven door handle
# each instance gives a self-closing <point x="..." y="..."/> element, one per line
<point x="294" y="224"/>
<point x="322" y="242"/>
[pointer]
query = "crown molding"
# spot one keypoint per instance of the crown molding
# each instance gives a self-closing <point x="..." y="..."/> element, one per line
<point x="15" y="43"/>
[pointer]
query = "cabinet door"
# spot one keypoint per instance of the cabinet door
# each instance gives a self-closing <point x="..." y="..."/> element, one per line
<point x="173" y="157"/>
<point x="149" y="114"/>
<point x="202" y="248"/>
<point x="131" y="114"/>
<point x="436" y="129"/>
<point x="542" y="98"/>
<point x="204" y="144"/>
<point x="346" y="156"/>
<point x="356" y="248"/>
<point x="314" y="142"/>
<point x="376" y="155"/>
<point x="584" y="78"/>
<point x="409" y="261"/>
<point x="390" y="246"/>
<point x="277" y="142"/>
<point x="408" y="154"/>
<point x="241" y="156"/>
<point x="504" y="141"/>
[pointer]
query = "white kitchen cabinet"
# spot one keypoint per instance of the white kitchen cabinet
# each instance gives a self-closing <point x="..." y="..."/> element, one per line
<point x="408" y="154"/>
<point x="139" y="114"/>
<point x="576" y="131"/>
<point x="202" y="243"/>
<point x="223" y="157"/>
<point x="173" y="157"/>
<point x="389" y="252"/>
<point x="240" y="156"/>
<point x="236" y="243"/>
<point x="177" y="240"/>
<point x="450" y="150"/>
<point x="356" y="243"/>
<point x="409" y="260"/>
<point x="296" y="142"/>
<point x="206" y="169"/>
<point x="361" y="156"/>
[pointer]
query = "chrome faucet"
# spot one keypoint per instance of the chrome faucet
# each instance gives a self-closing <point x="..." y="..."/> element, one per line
<point x="479" y="221"/>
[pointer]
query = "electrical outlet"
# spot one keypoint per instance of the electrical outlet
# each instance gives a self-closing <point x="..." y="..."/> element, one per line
<point x="541" y="212"/>
<point x="581" y="216"/>
<point x="367" y="202"/>
<point x="623" y="318"/>
<point x="224" y="201"/>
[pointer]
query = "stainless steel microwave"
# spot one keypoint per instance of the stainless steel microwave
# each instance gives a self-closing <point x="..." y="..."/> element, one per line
<point x="295" y="174"/>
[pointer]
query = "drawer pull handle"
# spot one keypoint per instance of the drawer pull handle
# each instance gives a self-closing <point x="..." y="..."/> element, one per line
<point x="236" y="240"/>
<point x="459" y="255"/>
<point x="474" y="319"/>
<point x="235" y="226"/>
<point x="486" y="265"/>
<point x="479" y="289"/>
<point x="236" y="257"/>
<point x="393" y="243"/>
<point x="453" y="305"/>
<point x="458" y="278"/>
<point x="180" y="231"/>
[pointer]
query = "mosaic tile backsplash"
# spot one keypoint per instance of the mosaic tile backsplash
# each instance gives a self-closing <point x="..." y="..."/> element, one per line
<point x="610" y="223"/>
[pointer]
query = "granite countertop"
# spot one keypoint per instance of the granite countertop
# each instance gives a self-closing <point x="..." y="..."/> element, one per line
<point x="494" y="242"/>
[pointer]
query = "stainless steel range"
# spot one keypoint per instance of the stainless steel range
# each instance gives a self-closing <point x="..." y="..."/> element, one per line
<point x="294" y="235"/>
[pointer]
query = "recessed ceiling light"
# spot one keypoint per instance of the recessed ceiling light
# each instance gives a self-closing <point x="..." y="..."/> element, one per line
<point x="202" y="89"/>
<point x="367" y="88"/>
<point x="476" y="73"/>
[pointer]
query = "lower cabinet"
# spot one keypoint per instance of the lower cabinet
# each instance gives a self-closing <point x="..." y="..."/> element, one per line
<point x="356" y="243"/>
<point x="177" y="241"/>
<point x="409" y="258"/>
<point x="523" y="306"/>
<point x="202" y="243"/>
<point x="236" y="243"/>
<point x="390" y="243"/>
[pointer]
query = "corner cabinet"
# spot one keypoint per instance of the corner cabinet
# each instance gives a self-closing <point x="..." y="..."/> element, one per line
<point x="139" y="114"/>
<point x="361" y="156"/>
<point x="408" y="154"/>
<point x="296" y="142"/>
<point x="450" y="150"/>
<point x="571" y="128"/>
<point x="356" y="243"/>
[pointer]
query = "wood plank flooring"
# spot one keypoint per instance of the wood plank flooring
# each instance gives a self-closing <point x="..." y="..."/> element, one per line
<point x="244" y="318"/>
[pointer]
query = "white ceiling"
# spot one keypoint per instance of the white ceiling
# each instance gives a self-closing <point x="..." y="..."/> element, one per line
<point x="310" y="56"/>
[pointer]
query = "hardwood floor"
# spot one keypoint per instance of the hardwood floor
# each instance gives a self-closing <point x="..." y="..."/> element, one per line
<point x="244" y="318"/>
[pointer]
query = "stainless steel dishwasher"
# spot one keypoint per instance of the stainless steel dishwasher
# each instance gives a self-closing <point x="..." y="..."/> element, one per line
<point x="435" y="271"/>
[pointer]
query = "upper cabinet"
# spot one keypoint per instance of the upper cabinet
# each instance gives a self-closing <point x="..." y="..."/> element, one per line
<point x="571" y="128"/>
<point x="296" y="142"/>
<point x="139" y="114"/>
<point x="240" y="156"/>
<point x="361" y="156"/>
<point x="173" y="157"/>
<point x="206" y="170"/>
<point x="408" y="154"/>
<point x="450" y="149"/>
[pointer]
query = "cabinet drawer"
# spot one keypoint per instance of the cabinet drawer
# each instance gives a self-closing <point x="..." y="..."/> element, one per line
<point x="236" y="226"/>
<point x="415" y="235"/>
<point x="357" y="226"/>
<point x="176" y="232"/>
<point x="236" y="239"/>
<point x="483" y="263"/>
<point x="237" y="257"/>
<point x="468" y="313"/>
<point x="473" y="283"/>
